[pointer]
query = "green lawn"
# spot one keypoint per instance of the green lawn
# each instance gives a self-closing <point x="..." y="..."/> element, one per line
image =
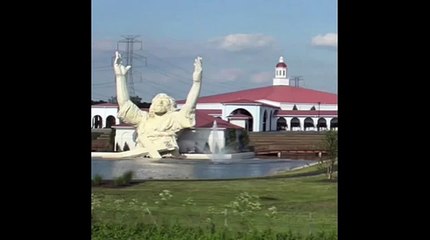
<point x="305" y="203"/>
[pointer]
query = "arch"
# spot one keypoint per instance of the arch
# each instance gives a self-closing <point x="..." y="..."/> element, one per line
<point x="248" y="122"/>
<point x="295" y="107"/>
<point x="313" y="108"/>
<point x="333" y="123"/>
<point x="97" y="121"/>
<point x="281" y="124"/>
<point x="264" y="120"/>
<point x="110" y="121"/>
<point x="321" y="124"/>
<point x="295" y="122"/>
<point x="309" y="123"/>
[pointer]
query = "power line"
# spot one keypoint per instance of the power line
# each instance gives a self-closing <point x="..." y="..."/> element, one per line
<point x="129" y="41"/>
<point x="296" y="80"/>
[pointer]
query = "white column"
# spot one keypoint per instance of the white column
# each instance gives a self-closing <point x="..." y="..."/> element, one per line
<point x="302" y="123"/>
<point x="328" y="120"/>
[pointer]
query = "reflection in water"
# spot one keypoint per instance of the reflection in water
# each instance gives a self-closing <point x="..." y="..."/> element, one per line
<point x="194" y="169"/>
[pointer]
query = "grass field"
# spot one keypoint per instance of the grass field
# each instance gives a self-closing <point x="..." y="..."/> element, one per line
<point x="301" y="201"/>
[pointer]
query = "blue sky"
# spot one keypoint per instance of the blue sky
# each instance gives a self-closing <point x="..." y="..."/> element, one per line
<point x="240" y="42"/>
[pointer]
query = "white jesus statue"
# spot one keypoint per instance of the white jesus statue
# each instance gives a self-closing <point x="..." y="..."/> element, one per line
<point x="157" y="129"/>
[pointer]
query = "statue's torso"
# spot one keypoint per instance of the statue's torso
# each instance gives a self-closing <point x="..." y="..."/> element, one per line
<point x="158" y="132"/>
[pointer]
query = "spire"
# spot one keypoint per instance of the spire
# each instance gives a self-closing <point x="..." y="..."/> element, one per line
<point x="281" y="71"/>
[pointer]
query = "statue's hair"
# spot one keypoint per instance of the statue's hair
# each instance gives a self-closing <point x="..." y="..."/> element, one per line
<point x="172" y="103"/>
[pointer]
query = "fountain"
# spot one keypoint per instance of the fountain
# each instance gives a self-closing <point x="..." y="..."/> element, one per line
<point x="220" y="141"/>
<point x="216" y="154"/>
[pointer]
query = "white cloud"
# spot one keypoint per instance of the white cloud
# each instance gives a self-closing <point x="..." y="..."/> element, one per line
<point x="228" y="74"/>
<point x="104" y="45"/>
<point x="327" y="40"/>
<point x="262" y="77"/>
<point x="238" y="42"/>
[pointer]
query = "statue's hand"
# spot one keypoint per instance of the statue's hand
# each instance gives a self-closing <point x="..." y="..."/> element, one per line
<point x="197" y="75"/>
<point x="119" y="69"/>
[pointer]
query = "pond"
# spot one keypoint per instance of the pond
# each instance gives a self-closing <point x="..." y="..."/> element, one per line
<point x="174" y="169"/>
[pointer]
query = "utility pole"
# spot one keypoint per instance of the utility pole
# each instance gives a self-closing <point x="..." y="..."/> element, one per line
<point x="129" y="41"/>
<point x="296" y="80"/>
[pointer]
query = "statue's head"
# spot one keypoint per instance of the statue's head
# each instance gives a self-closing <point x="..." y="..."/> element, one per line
<point x="161" y="104"/>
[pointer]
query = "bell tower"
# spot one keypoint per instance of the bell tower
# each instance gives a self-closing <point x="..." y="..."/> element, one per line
<point x="281" y="73"/>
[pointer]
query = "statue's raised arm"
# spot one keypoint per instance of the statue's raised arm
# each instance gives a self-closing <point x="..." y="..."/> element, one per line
<point x="194" y="92"/>
<point x="197" y="74"/>
<point x="121" y="85"/>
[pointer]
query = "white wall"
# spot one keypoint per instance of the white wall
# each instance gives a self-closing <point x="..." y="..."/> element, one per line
<point x="271" y="103"/>
<point x="239" y="122"/>
<point x="209" y="106"/>
<point x="125" y="135"/>
<point x="203" y="106"/>
<point x="331" y="107"/>
<point x="104" y="112"/>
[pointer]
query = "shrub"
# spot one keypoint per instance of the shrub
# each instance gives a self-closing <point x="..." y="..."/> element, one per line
<point x="97" y="180"/>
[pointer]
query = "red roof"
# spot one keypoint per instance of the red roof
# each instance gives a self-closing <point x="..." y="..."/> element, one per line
<point x="281" y="64"/>
<point x="206" y="121"/>
<point x="321" y="113"/>
<point x="284" y="94"/>
<point x="246" y="102"/>
<point x="241" y="101"/>
<point x="105" y="105"/>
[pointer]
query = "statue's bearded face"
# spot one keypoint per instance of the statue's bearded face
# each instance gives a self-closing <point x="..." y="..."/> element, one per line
<point x="160" y="105"/>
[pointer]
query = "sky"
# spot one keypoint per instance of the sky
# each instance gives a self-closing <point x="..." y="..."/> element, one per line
<point x="240" y="42"/>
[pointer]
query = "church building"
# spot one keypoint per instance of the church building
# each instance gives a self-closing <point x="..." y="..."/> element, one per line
<point x="280" y="107"/>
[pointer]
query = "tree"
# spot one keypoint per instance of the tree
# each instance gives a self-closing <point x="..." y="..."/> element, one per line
<point x="112" y="100"/>
<point x="330" y="145"/>
<point x="135" y="99"/>
<point x="93" y="102"/>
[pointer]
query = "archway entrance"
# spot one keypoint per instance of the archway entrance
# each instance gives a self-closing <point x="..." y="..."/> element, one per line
<point x="295" y="124"/>
<point x="97" y="121"/>
<point x="333" y="123"/>
<point x="322" y="124"/>
<point x="281" y="124"/>
<point x="309" y="123"/>
<point x="242" y="117"/>
<point x="110" y="121"/>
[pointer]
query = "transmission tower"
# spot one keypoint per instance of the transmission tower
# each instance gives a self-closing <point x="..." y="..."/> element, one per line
<point x="296" y="80"/>
<point x="129" y="41"/>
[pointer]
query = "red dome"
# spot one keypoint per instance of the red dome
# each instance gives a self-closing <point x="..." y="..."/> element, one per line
<point x="281" y="64"/>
